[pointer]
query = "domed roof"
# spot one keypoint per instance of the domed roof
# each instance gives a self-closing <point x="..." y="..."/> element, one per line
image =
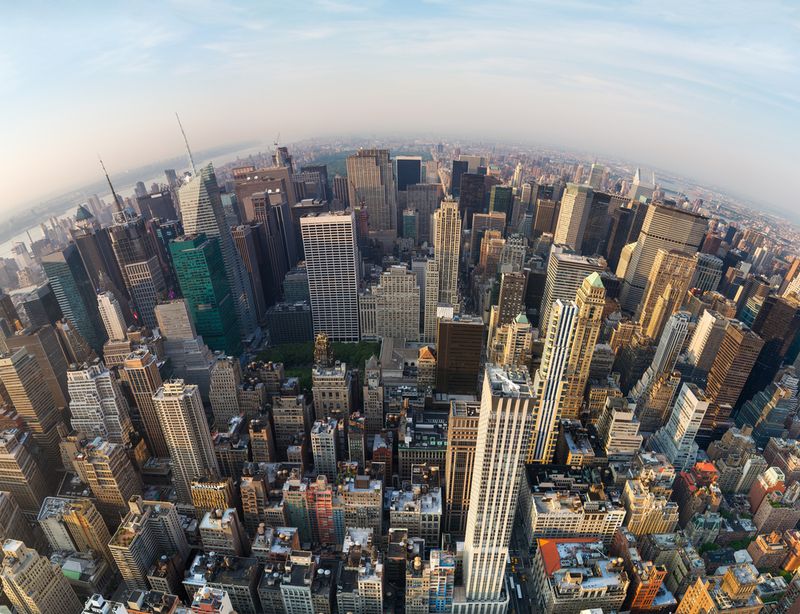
<point x="83" y="214"/>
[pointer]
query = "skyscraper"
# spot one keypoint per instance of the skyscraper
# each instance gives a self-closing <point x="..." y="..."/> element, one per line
<point x="573" y="215"/>
<point x="332" y="262"/>
<point x="471" y="195"/>
<point x="248" y="244"/>
<point x="140" y="371"/>
<point x="201" y="208"/>
<point x="372" y="185"/>
<point x="667" y="283"/>
<point x="504" y="429"/>
<point x="676" y="439"/>
<point x="22" y="378"/>
<point x="459" y="347"/>
<point x="96" y="404"/>
<point x="74" y="524"/>
<point x="33" y="584"/>
<point x="20" y="474"/>
<point x="75" y="294"/>
<point x="459" y="168"/>
<point x="447" y="248"/>
<point x="424" y="198"/>
<point x="111" y="314"/>
<point x="565" y="274"/>
<point x="462" y="438"/>
<point x="200" y="270"/>
<point x="667" y="228"/>
<point x="187" y="435"/>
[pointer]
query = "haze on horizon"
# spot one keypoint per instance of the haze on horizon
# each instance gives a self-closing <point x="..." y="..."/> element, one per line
<point x="709" y="90"/>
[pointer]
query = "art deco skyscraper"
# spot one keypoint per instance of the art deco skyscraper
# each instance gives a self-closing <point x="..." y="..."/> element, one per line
<point x="667" y="283"/>
<point x="372" y="185"/>
<point x="140" y="370"/>
<point x="22" y="378"/>
<point x="504" y="429"/>
<point x="33" y="584"/>
<point x="462" y="437"/>
<point x="447" y="248"/>
<point x="97" y="406"/>
<point x="332" y="263"/>
<point x="667" y="228"/>
<point x="187" y="435"/>
<point x="202" y="212"/>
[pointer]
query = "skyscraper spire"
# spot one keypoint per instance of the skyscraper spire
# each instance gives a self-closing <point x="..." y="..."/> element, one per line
<point x="186" y="141"/>
<point x="117" y="202"/>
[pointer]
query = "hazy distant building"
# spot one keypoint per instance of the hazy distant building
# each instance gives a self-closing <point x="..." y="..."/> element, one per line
<point x="372" y="185"/>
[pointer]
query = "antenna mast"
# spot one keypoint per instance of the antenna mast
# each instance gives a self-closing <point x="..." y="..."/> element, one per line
<point x="117" y="203"/>
<point x="185" y="140"/>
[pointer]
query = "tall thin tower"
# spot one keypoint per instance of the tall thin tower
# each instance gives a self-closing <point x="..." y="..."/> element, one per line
<point x="504" y="428"/>
<point x="447" y="248"/>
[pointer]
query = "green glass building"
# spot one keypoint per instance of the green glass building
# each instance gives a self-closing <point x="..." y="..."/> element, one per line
<point x="201" y="275"/>
<point x="501" y="199"/>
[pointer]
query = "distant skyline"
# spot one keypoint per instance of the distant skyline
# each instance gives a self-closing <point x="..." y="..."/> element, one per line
<point x="709" y="90"/>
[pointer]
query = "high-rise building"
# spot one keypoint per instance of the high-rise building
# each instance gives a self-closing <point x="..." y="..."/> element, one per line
<point x="397" y="304"/>
<point x="429" y="316"/>
<point x="667" y="228"/>
<point x="512" y="297"/>
<point x="360" y="584"/>
<point x="561" y="379"/>
<point x="707" y="272"/>
<point x="332" y="262"/>
<point x="226" y="375"/>
<point x="140" y="372"/>
<point x="458" y="169"/>
<point x="106" y="468"/>
<point x="137" y="255"/>
<point x="424" y="198"/>
<point x="44" y="345"/>
<point x="74" y="524"/>
<point x="706" y="339"/>
<point x="32" y="584"/>
<point x="504" y="428"/>
<point x="97" y="406"/>
<point x="462" y="437"/>
<point x="324" y="444"/>
<point x="111" y="314"/>
<point x="186" y="432"/>
<point x="150" y="529"/>
<point x="75" y="294"/>
<point x="372" y="185"/>
<point x="676" y="439"/>
<point x="202" y="212"/>
<point x="446" y="249"/>
<point x="472" y="192"/>
<point x="22" y="379"/>
<point x="248" y="244"/>
<point x="459" y="348"/>
<point x="201" y="274"/>
<point x="667" y="283"/>
<point x="732" y="365"/>
<point x="13" y="524"/>
<point x="565" y="274"/>
<point x="573" y="215"/>
<point x="20" y="474"/>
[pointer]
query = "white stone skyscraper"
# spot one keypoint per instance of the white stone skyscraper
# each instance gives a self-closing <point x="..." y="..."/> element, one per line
<point x="331" y="251"/>
<point x="97" y="405"/>
<point x="447" y="249"/>
<point x="573" y="215"/>
<point x="202" y="212"/>
<point x="187" y="435"/>
<point x="676" y="439"/>
<point x="111" y="314"/>
<point x="504" y="429"/>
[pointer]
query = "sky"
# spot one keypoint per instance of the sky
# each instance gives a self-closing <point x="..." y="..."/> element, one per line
<point x="706" y="89"/>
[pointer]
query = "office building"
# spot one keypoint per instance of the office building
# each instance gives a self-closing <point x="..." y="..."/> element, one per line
<point x="202" y="213"/>
<point x="149" y="529"/>
<point x="666" y="288"/>
<point x="32" y="584"/>
<point x="333" y="389"/>
<point x="372" y="186"/>
<point x="222" y="532"/>
<point x="108" y="472"/>
<point x="676" y="439"/>
<point x="74" y="524"/>
<point x="472" y="193"/>
<point x="664" y="227"/>
<point x="248" y="244"/>
<point x="507" y="406"/>
<point x="140" y="372"/>
<point x="44" y="344"/>
<point x="431" y="301"/>
<point x="573" y="215"/>
<point x="75" y="294"/>
<point x="707" y="272"/>
<point x="733" y="591"/>
<point x="324" y="445"/>
<point x="290" y="415"/>
<point x="111" y="314"/>
<point x="424" y="198"/>
<point x="13" y="524"/>
<point x="22" y="378"/>
<point x="706" y="340"/>
<point x="332" y="262"/>
<point x="565" y="274"/>
<point x="360" y="585"/>
<point x="447" y="249"/>
<point x="459" y="348"/>
<point x="226" y="375"/>
<point x="97" y="406"/>
<point x="186" y="432"/>
<point x="20" y="474"/>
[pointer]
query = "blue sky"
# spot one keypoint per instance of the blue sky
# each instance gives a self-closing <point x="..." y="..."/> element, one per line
<point x="709" y="89"/>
